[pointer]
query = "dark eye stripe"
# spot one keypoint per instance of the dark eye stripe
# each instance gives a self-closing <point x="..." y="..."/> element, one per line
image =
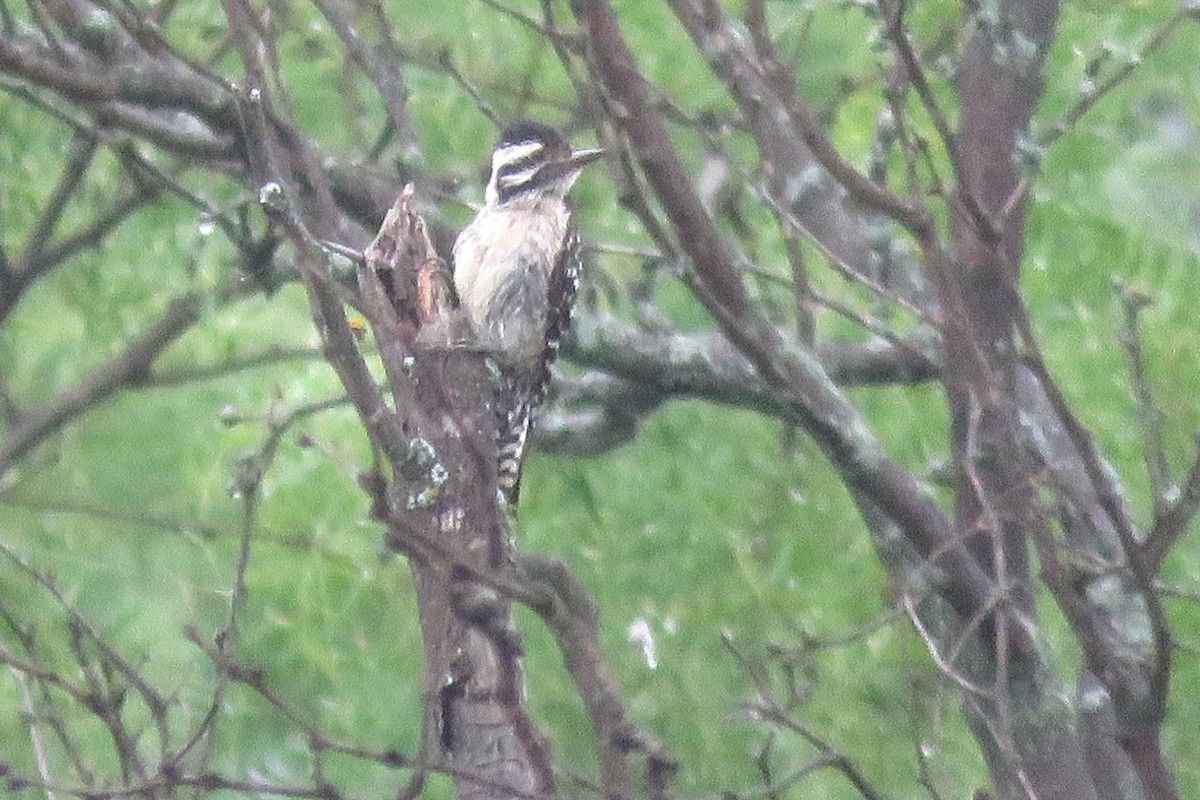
<point x="521" y="175"/>
<point x="507" y="190"/>
<point x="520" y="165"/>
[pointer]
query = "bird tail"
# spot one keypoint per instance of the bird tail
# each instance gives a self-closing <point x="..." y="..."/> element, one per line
<point x="515" y="417"/>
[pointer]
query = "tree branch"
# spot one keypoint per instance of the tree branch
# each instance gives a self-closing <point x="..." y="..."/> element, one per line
<point x="130" y="367"/>
<point x="834" y="424"/>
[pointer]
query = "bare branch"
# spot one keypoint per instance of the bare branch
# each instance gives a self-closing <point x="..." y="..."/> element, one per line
<point x="769" y="709"/>
<point x="893" y="27"/>
<point x="40" y="257"/>
<point x="552" y="34"/>
<point x="485" y="108"/>
<point x="823" y="411"/>
<point x="101" y="513"/>
<point x="711" y="367"/>
<point x="274" y="354"/>
<point x="381" y="65"/>
<point x="94" y="232"/>
<point x="109" y="703"/>
<point x="1095" y="92"/>
<point x="573" y="618"/>
<point x="777" y="114"/>
<point x="128" y="368"/>
<point x="81" y="150"/>
<point x="1173" y="523"/>
<point x="1149" y="416"/>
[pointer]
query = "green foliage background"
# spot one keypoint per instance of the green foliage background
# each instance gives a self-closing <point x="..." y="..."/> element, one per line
<point x="714" y="520"/>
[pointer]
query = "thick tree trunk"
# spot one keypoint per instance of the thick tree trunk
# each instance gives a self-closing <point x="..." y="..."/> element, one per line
<point x="992" y="404"/>
<point x="443" y="512"/>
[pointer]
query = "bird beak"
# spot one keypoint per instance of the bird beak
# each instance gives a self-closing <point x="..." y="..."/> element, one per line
<point x="572" y="165"/>
<point x="581" y="158"/>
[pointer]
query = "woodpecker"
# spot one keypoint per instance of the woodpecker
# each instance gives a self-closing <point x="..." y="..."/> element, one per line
<point x="516" y="271"/>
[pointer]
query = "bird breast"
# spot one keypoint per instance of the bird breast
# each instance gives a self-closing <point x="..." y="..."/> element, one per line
<point x="502" y="266"/>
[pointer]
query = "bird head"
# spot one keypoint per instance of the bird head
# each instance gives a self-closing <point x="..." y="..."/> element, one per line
<point x="532" y="157"/>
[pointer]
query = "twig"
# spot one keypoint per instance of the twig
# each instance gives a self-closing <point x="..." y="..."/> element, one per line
<point x="1088" y="100"/>
<point x="155" y="703"/>
<point x="121" y="516"/>
<point x="893" y="28"/>
<point x="52" y="256"/>
<point x="251" y="472"/>
<point x="447" y="63"/>
<point x="41" y="19"/>
<point x="382" y="67"/>
<point x="839" y="266"/>
<point x="128" y="368"/>
<point x="768" y="94"/>
<point x="768" y="708"/>
<point x="548" y="32"/>
<point x="150" y="179"/>
<point x="572" y="618"/>
<point x="931" y="645"/>
<point x="95" y="231"/>
<point x="1133" y="302"/>
<point x="35" y="732"/>
<point x="791" y="223"/>
<point x="79" y="158"/>
<point x="829" y="756"/>
<point x="272" y="355"/>
<point x="1142" y="565"/>
<point x="48" y="710"/>
<point x="1173" y="523"/>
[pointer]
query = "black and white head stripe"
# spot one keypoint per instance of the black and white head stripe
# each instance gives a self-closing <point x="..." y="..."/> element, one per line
<point x="514" y="166"/>
<point x="528" y="155"/>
